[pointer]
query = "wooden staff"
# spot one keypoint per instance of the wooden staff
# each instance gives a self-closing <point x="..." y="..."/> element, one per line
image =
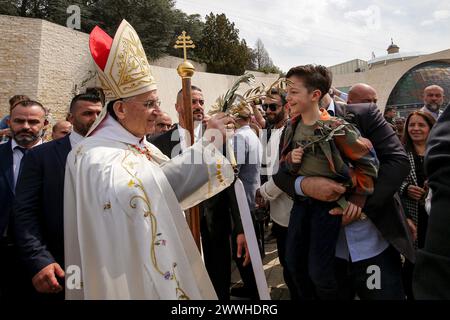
<point x="186" y="71"/>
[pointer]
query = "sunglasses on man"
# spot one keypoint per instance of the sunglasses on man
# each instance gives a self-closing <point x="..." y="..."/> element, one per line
<point x="271" y="106"/>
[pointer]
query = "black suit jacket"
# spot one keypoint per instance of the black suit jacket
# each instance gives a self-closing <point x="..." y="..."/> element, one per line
<point x="6" y="185"/>
<point x="39" y="205"/>
<point x="432" y="270"/>
<point x="383" y="209"/>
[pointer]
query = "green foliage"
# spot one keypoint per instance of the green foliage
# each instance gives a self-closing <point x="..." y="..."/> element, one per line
<point x="153" y="20"/>
<point x="221" y="48"/>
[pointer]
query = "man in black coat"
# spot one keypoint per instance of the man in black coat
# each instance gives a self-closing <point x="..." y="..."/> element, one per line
<point x="39" y="203"/>
<point x="219" y="214"/>
<point x="382" y="207"/>
<point x="432" y="270"/>
<point x="27" y="122"/>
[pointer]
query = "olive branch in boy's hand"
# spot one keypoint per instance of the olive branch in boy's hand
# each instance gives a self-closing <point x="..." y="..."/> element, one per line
<point x="327" y="134"/>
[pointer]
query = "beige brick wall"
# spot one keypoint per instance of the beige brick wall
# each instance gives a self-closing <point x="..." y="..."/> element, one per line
<point x="19" y="58"/>
<point x="65" y="62"/>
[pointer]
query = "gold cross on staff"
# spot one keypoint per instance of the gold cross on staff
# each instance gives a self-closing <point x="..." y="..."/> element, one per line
<point x="184" y="42"/>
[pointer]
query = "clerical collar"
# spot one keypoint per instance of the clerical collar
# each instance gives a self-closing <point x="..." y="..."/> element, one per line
<point x="113" y="130"/>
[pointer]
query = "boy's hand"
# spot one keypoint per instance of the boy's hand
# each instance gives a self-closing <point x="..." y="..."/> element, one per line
<point x="353" y="212"/>
<point x="349" y="214"/>
<point x="296" y="155"/>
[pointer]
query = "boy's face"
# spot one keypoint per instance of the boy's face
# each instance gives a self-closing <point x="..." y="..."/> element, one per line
<point x="300" y="100"/>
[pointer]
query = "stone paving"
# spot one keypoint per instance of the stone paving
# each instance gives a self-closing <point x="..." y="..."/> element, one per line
<point x="273" y="271"/>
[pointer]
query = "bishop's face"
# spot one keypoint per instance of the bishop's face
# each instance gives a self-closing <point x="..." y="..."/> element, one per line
<point x="140" y="112"/>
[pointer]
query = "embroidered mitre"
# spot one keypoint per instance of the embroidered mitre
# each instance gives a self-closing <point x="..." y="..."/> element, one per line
<point x="121" y="62"/>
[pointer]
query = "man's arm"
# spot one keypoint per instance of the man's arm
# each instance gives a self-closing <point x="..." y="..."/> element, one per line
<point x="394" y="164"/>
<point x="258" y="116"/>
<point x="32" y="247"/>
<point x="360" y="152"/>
<point x="319" y="188"/>
<point x="198" y="173"/>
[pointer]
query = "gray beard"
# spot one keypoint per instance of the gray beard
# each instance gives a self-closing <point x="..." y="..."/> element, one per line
<point x="433" y="107"/>
<point x="24" y="141"/>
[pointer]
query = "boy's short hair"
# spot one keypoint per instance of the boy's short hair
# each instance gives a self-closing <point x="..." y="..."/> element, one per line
<point x="315" y="77"/>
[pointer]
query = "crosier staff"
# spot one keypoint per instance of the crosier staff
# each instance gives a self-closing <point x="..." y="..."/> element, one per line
<point x="186" y="71"/>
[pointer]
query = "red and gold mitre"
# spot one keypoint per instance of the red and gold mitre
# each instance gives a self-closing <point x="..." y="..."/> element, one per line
<point x="121" y="62"/>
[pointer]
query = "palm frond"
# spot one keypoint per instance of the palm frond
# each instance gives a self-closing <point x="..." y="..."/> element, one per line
<point x="230" y="95"/>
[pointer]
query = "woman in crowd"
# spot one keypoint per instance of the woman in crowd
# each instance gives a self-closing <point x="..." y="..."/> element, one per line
<point x="414" y="189"/>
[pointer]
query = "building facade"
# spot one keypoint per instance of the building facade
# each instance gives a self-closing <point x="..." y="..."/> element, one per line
<point x="399" y="78"/>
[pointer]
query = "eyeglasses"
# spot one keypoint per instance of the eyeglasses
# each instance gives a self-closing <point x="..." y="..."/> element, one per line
<point x="149" y="104"/>
<point x="271" y="106"/>
<point x="199" y="101"/>
<point x="152" y="104"/>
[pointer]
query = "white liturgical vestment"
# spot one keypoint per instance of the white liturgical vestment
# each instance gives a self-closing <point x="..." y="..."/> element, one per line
<point x="125" y="234"/>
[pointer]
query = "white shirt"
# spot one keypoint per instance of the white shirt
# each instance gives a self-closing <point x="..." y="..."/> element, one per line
<point x="280" y="203"/>
<point x="197" y="134"/>
<point x="75" y="138"/>
<point x="17" y="158"/>
<point x="246" y="137"/>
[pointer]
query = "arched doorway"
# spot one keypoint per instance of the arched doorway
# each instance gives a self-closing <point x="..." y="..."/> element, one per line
<point x="407" y="93"/>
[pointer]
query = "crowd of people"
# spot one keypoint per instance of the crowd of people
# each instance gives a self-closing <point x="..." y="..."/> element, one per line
<point x="357" y="201"/>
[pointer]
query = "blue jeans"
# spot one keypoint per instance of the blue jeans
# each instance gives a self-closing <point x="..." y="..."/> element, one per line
<point x="310" y="249"/>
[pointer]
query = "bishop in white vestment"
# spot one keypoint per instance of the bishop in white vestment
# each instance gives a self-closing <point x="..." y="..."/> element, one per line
<point x="125" y="233"/>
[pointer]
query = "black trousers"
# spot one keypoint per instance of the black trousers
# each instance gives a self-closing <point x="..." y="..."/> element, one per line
<point x="215" y="229"/>
<point x="280" y="234"/>
<point x="15" y="282"/>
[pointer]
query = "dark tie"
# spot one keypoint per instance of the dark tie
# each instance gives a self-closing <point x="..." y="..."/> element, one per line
<point x="24" y="152"/>
<point x="331" y="112"/>
<point x="21" y="149"/>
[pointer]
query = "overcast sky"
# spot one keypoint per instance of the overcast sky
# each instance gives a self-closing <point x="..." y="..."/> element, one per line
<point x="328" y="32"/>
